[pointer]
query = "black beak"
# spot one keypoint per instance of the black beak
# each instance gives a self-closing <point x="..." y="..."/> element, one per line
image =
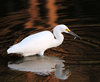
<point x="75" y="35"/>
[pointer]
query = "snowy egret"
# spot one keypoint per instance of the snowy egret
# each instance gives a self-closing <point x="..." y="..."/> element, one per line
<point x="39" y="42"/>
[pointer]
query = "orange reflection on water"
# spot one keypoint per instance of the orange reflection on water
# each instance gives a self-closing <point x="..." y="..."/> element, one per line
<point x="52" y="12"/>
<point x="35" y="15"/>
<point x="33" y="11"/>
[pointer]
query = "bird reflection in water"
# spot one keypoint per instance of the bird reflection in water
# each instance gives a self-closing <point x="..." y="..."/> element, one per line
<point x="42" y="66"/>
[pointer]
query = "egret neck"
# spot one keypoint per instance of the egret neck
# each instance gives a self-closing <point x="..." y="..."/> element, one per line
<point x="58" y="37"/>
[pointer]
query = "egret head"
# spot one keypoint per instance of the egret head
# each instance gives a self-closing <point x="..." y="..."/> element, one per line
<point x="64" y="28"/>
<point x="61" y="28"/>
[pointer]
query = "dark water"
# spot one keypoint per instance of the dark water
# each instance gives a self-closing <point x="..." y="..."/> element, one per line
<point x="21" y="18"/>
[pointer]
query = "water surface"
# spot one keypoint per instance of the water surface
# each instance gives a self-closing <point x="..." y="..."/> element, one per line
<point x="42" y="66"/>
<point x="19" y="19"/>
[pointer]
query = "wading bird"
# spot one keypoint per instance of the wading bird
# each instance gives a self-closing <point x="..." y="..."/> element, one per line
<point x="41" y="41"/>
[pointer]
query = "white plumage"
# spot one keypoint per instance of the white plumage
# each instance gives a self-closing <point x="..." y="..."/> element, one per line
<point x="39" y="42"/>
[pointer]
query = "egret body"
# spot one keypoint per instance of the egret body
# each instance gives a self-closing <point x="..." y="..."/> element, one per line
<point x="41" y="41"/>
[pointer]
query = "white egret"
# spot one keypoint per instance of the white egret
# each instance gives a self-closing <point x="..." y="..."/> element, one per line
<point x="41" y="41"/>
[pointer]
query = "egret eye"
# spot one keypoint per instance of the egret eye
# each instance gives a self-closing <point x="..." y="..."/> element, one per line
<point x="67" y="30"/>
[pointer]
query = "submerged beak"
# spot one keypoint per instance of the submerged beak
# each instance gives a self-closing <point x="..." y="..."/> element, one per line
<point x="75" y="35"/>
